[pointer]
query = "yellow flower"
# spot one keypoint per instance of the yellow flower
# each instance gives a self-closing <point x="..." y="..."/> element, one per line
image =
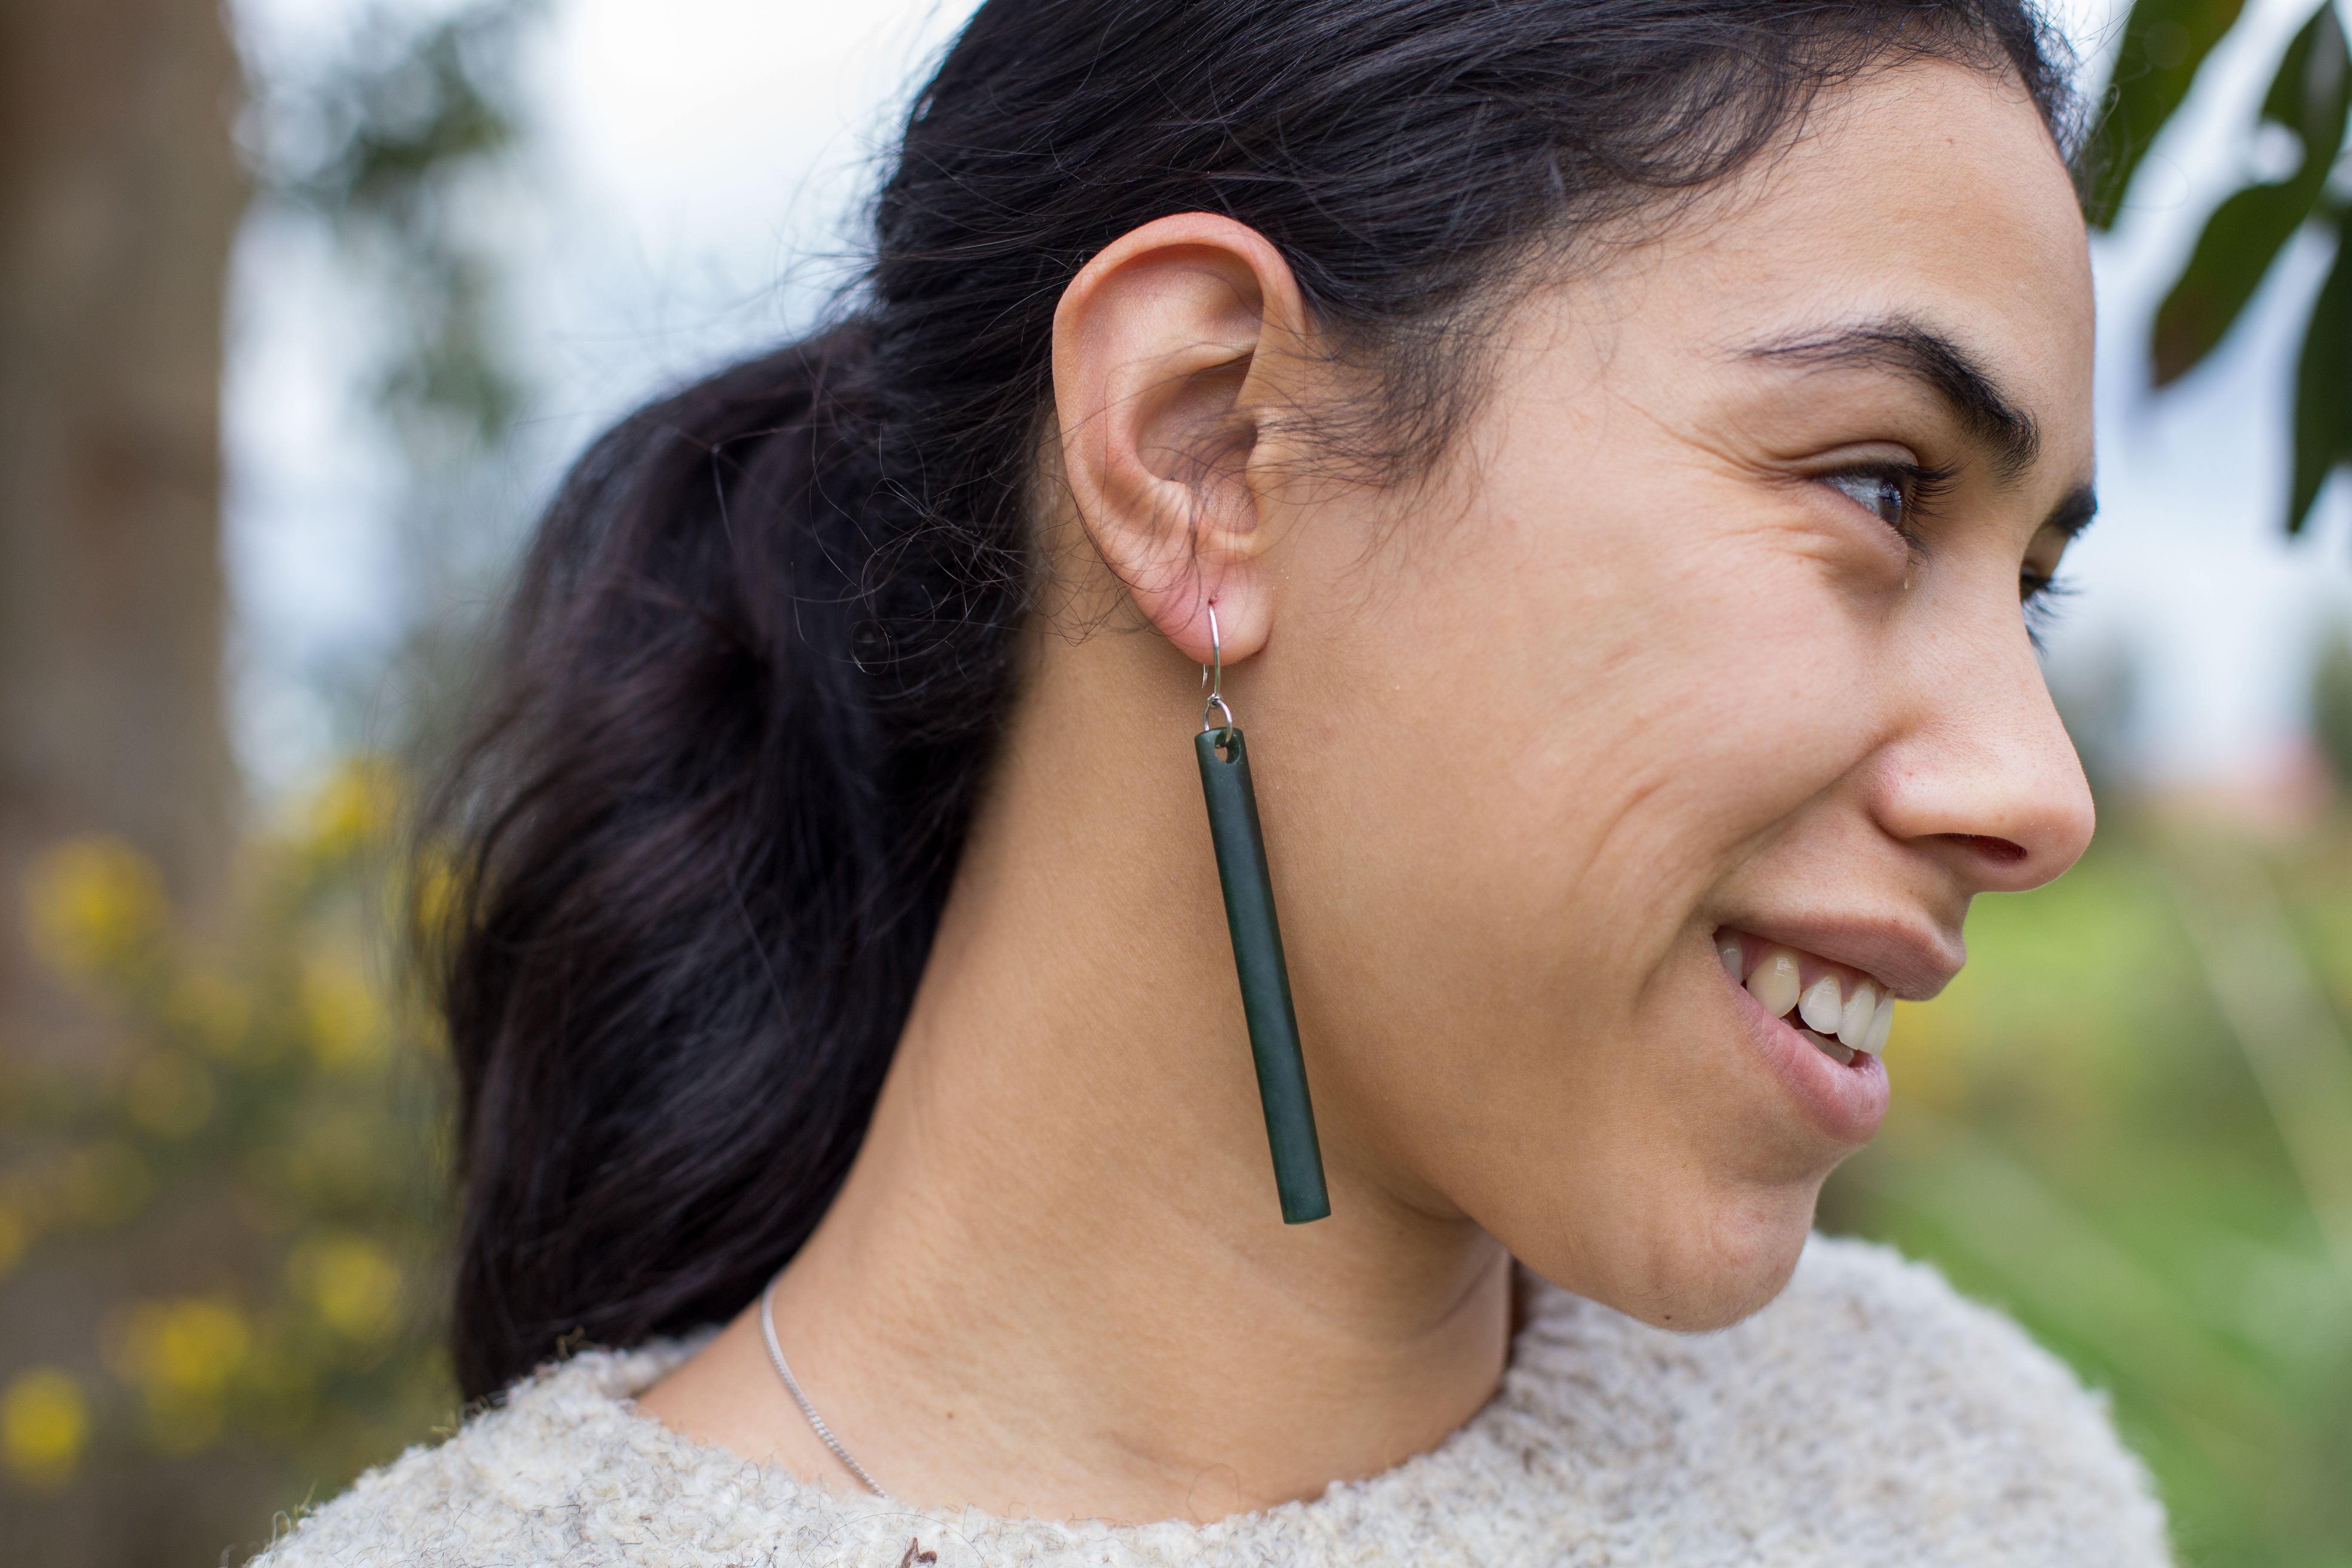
<point x="352" y="1285"/>
<point x="44" y="1427"/>
<point x="343" y="1024"/>
<point x="91" y="902"/>
<point x="355" y="810"/>
<point x="188" y="1347"/>
<point x="180" y="1355"/>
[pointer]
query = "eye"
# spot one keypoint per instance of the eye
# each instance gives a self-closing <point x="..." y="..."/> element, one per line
<point x="2044" y="599"/>
<point x="2039" y="586"/>
<point x="2039" y="571"/>
<point x="1881" y="491"/>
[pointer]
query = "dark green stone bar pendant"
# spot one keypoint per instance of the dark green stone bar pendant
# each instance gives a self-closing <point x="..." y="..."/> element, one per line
<point x="1265" y="982"/>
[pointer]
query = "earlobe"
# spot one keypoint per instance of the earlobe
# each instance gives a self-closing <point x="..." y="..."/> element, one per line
<point x="1173" y="350"/>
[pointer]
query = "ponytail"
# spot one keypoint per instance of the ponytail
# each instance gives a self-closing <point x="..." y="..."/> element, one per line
<point x="747" y="692"/>
<point x="711" y="817"/>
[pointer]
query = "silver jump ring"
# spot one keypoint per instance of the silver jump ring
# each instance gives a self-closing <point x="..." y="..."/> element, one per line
<point x="1213" y="676"/>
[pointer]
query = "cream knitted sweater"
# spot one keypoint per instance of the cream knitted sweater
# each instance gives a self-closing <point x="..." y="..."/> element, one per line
<point x="1869" y="1416"/>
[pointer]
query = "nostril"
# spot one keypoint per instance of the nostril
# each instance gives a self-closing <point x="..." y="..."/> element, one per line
<point x="2000" y="851"/>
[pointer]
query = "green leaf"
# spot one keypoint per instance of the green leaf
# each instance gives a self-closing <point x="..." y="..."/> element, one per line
<point x="2246" y="233"/>
<point x="2308" y="94"/>
<point x="2323" y="388"/>
<point x="2164" y="43"/>
<point x="2240" y="241"/>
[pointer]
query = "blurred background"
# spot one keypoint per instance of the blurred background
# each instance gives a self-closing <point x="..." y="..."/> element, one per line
<point x="304" y="302"/>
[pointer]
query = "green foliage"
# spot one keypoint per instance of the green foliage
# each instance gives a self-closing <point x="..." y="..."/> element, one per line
<point x="270" y="1116"/>
<point x="2323" y="388"/>
<point x="2164" y="43"/>
<point x="2246" y="233"/>
<point x="406" y="114"/>
<point x="381" y="146"/>
<point x="2086" y="1131"/>
<point x="404" y="150"/>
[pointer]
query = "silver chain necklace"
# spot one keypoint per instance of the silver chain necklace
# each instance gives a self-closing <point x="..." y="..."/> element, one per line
<point x="816" y="1422"/>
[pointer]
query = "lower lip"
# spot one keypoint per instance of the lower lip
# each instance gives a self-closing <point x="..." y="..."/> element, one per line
<point x="1845" y="1101"/>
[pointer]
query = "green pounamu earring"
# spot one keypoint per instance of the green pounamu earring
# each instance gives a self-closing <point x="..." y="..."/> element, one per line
<point x="1257" y="950"/>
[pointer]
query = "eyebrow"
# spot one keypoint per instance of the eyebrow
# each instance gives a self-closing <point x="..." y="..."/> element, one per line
<point x="1921" y="354"/>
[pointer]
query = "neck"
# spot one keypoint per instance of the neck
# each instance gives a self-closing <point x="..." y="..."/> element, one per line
<point x="1056" y="1282"/>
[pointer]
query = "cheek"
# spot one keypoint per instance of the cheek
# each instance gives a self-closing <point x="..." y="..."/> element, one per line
<point x="1652" y="711"/>
<point x="1538" y="747"/>
<point x="1758" y="690"/>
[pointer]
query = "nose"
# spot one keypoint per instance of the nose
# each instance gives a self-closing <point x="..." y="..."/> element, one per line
<point x="1987" y="780"/>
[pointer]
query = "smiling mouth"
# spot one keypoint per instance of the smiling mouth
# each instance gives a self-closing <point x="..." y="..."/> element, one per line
<point x="1839" y="1011"/>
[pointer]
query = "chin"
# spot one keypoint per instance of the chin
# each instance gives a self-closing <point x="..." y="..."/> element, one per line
<point x="1722" y="1258"/>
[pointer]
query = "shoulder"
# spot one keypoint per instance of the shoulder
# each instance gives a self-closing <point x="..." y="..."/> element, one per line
<point x="496" y="1491"/>
<point x="1871" y="1409"/>
<point x="562" y="1470"/>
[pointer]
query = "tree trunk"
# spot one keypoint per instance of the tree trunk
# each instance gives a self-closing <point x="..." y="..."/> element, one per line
<point x="119" y="195"/>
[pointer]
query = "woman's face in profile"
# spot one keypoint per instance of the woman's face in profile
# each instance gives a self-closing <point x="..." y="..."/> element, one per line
<point x="1703" y="649"/>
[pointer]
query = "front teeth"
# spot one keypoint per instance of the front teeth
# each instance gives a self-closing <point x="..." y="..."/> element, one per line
<point x="1868" y="1019"/>
<point x="1774" y="982"/>
<point x="1821" y="1008"/>
<point x="1854" y="1021"/>
<point x="1882" y="1024"/>
<point x="1861" y="1021"/>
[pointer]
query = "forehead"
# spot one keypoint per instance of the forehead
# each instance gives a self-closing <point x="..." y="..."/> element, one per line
<point x="1926" y="192"/>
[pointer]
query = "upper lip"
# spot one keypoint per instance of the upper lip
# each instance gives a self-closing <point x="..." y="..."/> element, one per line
<point x="1914" y="961"/>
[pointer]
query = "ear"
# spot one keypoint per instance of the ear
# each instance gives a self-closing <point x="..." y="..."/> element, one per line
<point x="1175" y="353"/>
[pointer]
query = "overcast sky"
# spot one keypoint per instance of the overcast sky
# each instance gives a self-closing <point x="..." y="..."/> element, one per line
<point x="690" y="167"/>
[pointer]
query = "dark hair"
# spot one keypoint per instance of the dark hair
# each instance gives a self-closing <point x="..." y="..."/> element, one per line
<point x="752" y="675"/>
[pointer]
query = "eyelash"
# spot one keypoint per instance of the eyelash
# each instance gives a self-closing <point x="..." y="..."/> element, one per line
<point x="1919" y="486"/>
<point x="2045" y="603"/>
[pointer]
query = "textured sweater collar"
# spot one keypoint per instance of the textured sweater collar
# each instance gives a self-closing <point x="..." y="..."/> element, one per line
<point x="1869" y="1411"/>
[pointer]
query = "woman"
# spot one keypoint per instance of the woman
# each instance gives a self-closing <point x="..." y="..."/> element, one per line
<point x="1596" y="450"/>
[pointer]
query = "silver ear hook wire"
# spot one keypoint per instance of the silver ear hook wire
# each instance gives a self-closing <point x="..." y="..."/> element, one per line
<point x="1213" y="678"/>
